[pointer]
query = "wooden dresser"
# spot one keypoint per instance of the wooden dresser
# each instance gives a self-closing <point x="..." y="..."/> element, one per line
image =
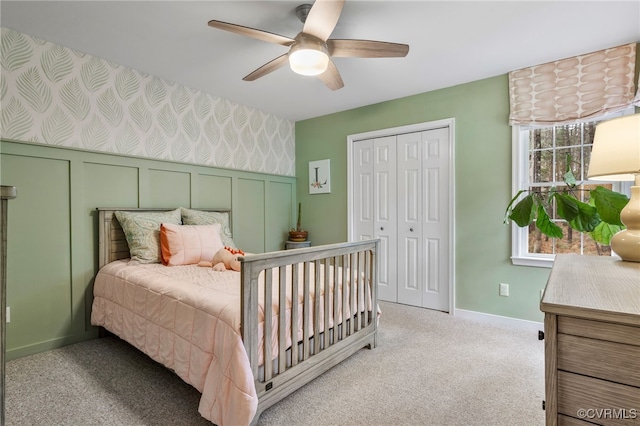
<point x="592" y="341"/>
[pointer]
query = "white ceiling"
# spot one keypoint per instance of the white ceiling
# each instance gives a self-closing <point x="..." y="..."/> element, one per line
<point x="451" y="42"/>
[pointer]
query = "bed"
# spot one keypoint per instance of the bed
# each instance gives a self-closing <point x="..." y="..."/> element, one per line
<point x="211" y="327"/>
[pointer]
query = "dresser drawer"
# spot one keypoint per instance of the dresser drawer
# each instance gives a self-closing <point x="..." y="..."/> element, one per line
<point x="612" y="361"/>
<point x="577" y="392"/>
<point x="571" y="421"/>
<point x="620" y="333"/>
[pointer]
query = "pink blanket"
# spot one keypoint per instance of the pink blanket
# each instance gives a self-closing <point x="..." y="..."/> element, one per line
<point x="188" y="319"/>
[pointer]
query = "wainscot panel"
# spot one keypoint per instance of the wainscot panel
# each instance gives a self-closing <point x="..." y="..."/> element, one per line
<point x="280" y="215"/>
<point x="169" y="188"/>
<point x="253" y="191"/>
<point x="213" y="191"/>
<point x="39" y="251"/>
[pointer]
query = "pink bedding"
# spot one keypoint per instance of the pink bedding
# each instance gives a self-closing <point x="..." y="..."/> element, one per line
<point x="188" y="319"/>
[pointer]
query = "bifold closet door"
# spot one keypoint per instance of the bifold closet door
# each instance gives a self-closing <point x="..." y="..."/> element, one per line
<point x="374" y="172"/>
<point x="401" y="195"/>
<point x="423" y="219"/>
<point x="410" y="250"/>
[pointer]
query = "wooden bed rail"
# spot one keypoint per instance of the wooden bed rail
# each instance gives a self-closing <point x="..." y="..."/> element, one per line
<point x="333" y="327"/>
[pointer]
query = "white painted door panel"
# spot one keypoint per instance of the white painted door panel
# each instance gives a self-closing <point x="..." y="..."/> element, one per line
<point x="385" y="214"/>
<point x="374" y="172"/>
<point x="410" y="282"/>
<point x="363" y="179"/>
<point x="435" y="225"/>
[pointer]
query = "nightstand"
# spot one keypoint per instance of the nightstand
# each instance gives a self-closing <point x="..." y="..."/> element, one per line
<point x="296" y="244"/>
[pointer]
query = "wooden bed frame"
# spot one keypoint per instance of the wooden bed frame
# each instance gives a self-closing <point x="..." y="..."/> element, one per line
<point x="318" y="351"/>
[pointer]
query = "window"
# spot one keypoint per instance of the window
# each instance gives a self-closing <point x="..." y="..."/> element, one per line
<point x="540" y="160"/>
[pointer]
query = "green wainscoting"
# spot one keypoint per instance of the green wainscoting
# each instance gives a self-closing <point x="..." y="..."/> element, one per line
<point x="53" y="235"/>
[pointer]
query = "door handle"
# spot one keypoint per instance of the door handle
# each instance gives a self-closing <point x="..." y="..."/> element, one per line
<point x="411" y="229"/>
<point x="382" y="228"/>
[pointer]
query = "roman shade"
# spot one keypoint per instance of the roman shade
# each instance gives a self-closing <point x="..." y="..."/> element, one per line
<point x="574" y="88"/>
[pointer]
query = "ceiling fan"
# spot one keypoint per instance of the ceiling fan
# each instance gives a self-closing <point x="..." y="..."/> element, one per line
<point x="310" y="51"/>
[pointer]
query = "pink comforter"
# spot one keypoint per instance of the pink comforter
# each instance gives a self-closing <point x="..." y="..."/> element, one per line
<point x="167" y="313"/>
<point x="188" y="319"/>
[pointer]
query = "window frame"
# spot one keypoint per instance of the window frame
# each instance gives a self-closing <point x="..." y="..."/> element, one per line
<point x="520" y="254"/>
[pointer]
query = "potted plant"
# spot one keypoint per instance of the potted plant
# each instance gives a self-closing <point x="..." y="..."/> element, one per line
<point x="599" y="217"/>
<point x="298" y="234"/>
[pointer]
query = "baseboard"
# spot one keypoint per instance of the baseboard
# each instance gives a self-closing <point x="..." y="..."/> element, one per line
<point x="47" y="345"/>
<point x="499" y="320"/>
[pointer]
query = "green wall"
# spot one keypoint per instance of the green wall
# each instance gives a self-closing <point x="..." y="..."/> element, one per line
<point x="483" y="187"/>
<point x="52" y="232"/>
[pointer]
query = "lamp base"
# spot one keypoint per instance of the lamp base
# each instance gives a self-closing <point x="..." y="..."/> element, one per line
<point x="626" y="243"/>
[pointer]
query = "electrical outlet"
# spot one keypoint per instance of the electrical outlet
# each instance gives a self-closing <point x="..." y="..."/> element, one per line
<point x="504" y="289"/>
<point x="8" y="315"/>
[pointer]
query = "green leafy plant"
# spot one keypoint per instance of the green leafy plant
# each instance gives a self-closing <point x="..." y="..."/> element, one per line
<point x="599" y="217"/>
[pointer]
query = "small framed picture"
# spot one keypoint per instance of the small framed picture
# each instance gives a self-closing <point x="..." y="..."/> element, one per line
<point x="319" y="177"/>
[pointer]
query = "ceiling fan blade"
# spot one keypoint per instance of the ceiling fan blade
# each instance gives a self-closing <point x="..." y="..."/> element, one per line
<point x="267" y="68"/>
<point x="322" y="18"/>
<point x="331" y="77"/>
<point x="366" y="49"/>
<point x="252" y="32"/>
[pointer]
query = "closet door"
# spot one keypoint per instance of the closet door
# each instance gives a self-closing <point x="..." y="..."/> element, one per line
<point x="401" y="195"/>
<point x="423" y="219"/>
<point x="410" y="268"/>
<point x="385" y="215"/>
<point x="363" y="189"/>
<point x="435" y="219"/>
<point x="374" y="174"/>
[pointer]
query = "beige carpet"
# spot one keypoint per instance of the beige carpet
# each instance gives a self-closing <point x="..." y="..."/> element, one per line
<point x="429" y="369"/>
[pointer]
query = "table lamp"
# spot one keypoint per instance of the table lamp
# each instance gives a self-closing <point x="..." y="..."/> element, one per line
<point x="615" y="156"/>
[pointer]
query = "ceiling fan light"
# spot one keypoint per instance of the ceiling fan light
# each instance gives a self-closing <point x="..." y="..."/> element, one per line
<point x="308" y="61"/>
<point x="308" y="55"/>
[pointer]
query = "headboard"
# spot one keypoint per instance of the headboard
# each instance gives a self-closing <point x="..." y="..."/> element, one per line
<point x="112" y="244"/>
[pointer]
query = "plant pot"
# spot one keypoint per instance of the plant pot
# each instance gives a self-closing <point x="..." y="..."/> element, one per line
<point x="298" y="236"/>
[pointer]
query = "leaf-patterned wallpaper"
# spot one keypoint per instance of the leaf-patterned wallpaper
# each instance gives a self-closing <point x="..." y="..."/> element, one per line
<point x="53" y="95"/>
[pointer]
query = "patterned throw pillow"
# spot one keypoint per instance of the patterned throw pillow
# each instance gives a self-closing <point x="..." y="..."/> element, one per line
<point x="142" y="230"/>
<point x="198" y="217"/>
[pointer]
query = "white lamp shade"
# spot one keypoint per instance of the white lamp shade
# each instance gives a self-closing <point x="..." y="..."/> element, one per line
<point x="308" y="61"/>
<point x="308" y="55"/>
<point x="615" y="155"/>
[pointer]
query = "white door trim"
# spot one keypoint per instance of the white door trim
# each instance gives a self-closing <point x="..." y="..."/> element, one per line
<point x="418" y="127"/>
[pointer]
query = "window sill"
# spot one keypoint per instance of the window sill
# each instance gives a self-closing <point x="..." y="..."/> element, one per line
<point x="538" y="262"/>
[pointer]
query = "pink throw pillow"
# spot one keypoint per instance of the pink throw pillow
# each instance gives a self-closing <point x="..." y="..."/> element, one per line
<point x="189" y="244"/>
